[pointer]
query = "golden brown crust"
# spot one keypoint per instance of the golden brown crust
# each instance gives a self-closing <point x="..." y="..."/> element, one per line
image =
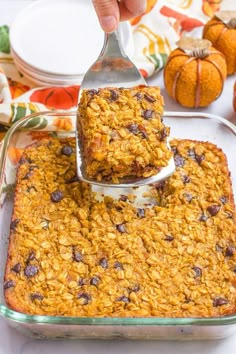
<point x="71" y="255"/>
<point x="122" y="133"/>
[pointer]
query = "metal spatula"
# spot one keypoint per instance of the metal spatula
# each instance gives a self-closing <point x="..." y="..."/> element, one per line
<point x="110" y="60"/>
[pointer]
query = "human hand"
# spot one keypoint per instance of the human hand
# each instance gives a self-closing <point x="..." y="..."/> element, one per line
<point x="110" y="12"/>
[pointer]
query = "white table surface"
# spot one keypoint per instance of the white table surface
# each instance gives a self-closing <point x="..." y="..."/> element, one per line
<point x="12" y="342"/>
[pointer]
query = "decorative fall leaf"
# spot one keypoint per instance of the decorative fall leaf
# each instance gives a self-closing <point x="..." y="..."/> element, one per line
<point x="185" y="23"/>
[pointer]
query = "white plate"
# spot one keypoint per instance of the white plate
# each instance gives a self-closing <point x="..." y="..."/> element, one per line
<point x="61" y="37"/>
<point x="41" y="80"/>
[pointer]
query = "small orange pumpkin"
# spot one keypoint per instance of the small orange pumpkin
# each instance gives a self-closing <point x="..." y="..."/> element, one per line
<point x="195" y="72"/>
<point x="221" y="31"/>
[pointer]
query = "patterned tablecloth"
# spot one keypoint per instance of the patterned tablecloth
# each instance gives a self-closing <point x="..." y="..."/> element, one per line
<point x="155" y="34"/>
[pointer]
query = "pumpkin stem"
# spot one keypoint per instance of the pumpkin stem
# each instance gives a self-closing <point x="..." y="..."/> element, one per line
<point x="200" y="53"/>
<point x="195" y="47"/>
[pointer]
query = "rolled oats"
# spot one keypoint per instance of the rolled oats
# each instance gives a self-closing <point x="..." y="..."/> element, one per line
<point x="79" y="257"/>
<point x="122" y="133"/>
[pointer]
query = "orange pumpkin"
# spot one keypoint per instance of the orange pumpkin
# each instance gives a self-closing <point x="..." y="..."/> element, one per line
<point x="57" y="97"/>
<point x="195" y="77"/>
<point x="221" y="31"/>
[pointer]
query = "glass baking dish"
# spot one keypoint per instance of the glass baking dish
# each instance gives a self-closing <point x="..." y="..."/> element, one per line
<point x="196" y="126"/>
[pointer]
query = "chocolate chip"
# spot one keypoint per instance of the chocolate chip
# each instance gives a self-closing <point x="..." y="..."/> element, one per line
<point x="203" y="217"/>
<point x="141" y="212"/>
<point x="56" y="196"/>
<point x="234" y="269"/>
<point x="223" y="199"/>
<point x="66" y="150"/>
<point x="118" y="208"/>
<point x="147" y="114"/>
<point x="23" y="161"/>
<point x="36" y="296"/>
<point x="163" y="134"/>
<point x="81" y="282"/>
<point x="139" y="96"/>
<point x="30" y="257"/>
<point x="142" y="131"/>
<point x="77" y="256"/>
<point x="85" y="296"/>
<point x="199" y="158"/>
<point x="219" y="301"/>
<point x="133" y="128"/>
<point x="31" y="270"/>
<point x="93" y="92"/>
<point x="149" y="98"/>
<point x="16" y="268"/>
<point x="188" y="196"/>
<point x="179" y="160"/>
<point x="229" y="252"/>
<point x="213" y="209"/>
<point x="95" y="281"/>
<point x="118" y="265"/>
<point x="14" y="224"/>
<point x="186" y="179"/>
<point x="169" y="238"/>
<point x="114" y="95"/>
<point x="123" y="298"/>
<point x="174" y="150"/>
<point x="137" y="130"/>
<point x="9" y="284"/>
<point x="198" y="271"/>
<point x="103" y="263"/>
<point x="123" y="198"/>
<point x="121" y="228"/>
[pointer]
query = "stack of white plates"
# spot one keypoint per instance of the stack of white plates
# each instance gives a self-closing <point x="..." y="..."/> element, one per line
<point x="53" y="43"/>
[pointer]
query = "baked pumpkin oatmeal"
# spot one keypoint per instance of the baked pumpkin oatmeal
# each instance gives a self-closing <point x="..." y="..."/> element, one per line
<point x="122" y="134"/>
<point x="70" y="255"/>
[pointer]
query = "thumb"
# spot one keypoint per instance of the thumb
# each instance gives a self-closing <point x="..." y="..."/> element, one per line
<point x="108" y="14"/>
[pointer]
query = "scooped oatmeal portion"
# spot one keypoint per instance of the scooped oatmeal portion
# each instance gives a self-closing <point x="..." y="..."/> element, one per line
<point x="122" y="133"/>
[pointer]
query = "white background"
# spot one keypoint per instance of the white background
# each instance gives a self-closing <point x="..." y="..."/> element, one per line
<point x="12" y="342"/>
